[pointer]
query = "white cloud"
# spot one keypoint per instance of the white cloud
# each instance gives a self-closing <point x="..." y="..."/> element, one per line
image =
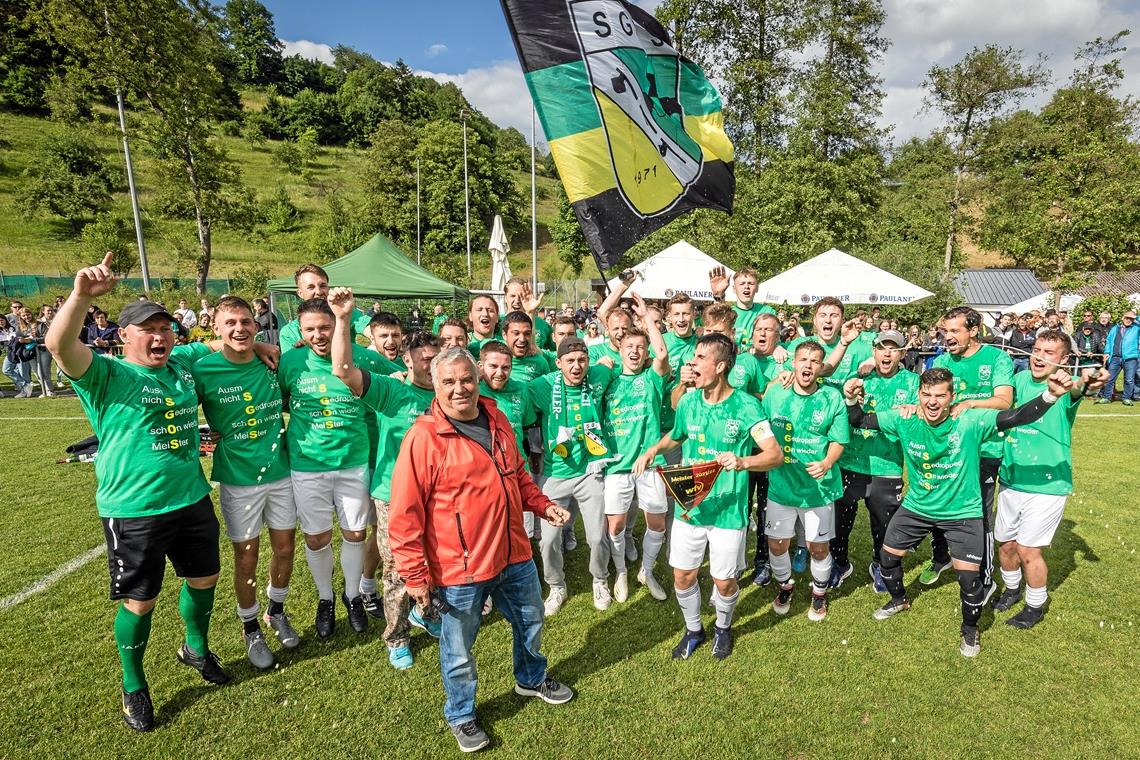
<point x="437" y="49"/>
<point x="499" y="91"/>
<point x="314" y="51"/>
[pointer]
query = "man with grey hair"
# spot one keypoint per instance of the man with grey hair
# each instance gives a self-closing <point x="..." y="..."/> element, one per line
<point x="456" y="532"/>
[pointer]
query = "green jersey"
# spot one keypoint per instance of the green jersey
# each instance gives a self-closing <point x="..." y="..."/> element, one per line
<point x="633" y="416"/>
<point x="542" y="333"/>
<point x="977" y="377"/>
<point x="572" y="422"/>
<point x="475" y="346"/>
<point x="870" y="452"/>
<point x="941" y="461"/>
<point x="745" y="318"/>
<point x="1038" y="457"/>
<point x="243" y="403"/>
<point x="526" y="368"/>
<point x="734" y="425"/>
<point x="290" y="334"/>
<point x="752" y="373"/>
<point x="514" y="402"/>
<point x="604" y="349"/>
<point x="396" y="410"/>
<point x="805" y="426"/>
<point x="681" y="351"/>
<point x="147" y="423"/>
<point x="437" y="323"/>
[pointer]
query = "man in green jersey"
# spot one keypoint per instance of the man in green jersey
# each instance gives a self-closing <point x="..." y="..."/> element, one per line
<point x="983" y="377"/>
<point x="152" y="497"/>
<point x="312" y="282"/>
<point x="714" y="423"/>
<point x="632" y="418"/>
<point x="563" y="328"/>
<point x="843" y="341"/>
<point x="518" y="296"/>
<point x="527" y="361"/>
<point x="744" y="284"/>
<point x="437" y="319"/>
<point x="571" y="404"/>
<point x="871" y="465"/>
<point x="484" y="319"/>
<point x="396" y="406"/>
<point x="940" y="454"/>
<point x="1037" y="477"/>
<point x="452" y="333"/>
<point x="242" y="402"/>
<point x="810" y="423"/>
<point x="386" y="334"/>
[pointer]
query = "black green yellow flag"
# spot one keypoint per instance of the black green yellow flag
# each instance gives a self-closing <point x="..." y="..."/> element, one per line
<point x="635" y="128"/>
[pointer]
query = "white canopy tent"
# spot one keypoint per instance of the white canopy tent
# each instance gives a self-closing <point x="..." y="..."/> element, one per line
<point x="680" y="268"/>
<point x="835" y="273"/>
<point x="500" y="266"/>
<point x="1041" y="303"/>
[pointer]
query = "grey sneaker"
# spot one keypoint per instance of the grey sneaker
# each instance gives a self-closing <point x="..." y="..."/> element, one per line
<point x="470" y="736"/>
<point x="257" y="650"/>
<point x="550" y="691"/>
<point x="286" y="634"/>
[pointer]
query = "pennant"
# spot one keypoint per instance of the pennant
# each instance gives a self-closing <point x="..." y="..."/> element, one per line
<point x="634" y="127"/>
<point x="689" y="484"/>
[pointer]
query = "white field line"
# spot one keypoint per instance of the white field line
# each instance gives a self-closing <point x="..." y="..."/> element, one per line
<point x="31" y="419"/>
<point x="52" y="578"/>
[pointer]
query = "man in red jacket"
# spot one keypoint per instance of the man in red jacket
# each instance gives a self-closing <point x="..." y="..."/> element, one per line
<point x="455" y="526"/>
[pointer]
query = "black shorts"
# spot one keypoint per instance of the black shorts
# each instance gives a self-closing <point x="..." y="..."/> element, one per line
<point x="137" y="548"/>
<point x="966" y="538"/>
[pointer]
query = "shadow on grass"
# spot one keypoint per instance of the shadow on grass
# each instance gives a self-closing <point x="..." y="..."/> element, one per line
<point x="1062" y="556"/>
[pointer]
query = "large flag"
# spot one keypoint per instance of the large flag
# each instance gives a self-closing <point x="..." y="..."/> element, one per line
<point x="635" y="128"/>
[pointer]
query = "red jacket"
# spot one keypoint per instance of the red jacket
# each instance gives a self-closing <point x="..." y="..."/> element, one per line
<point x="456" y="514"/>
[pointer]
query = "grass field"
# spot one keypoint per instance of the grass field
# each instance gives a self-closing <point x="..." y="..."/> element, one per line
<point x="847" y="687"/>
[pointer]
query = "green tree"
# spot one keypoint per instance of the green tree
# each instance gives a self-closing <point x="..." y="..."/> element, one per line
<point x="279" y="212"/>
<point x="27" y="57"/>
<point x="339" y="230"/>
<point x="109" y="232"/>
<point x="567" y="235"/>
<point x="299" y="73"/>
<point x="68" y="177"/>
<point x="250" y="33"/>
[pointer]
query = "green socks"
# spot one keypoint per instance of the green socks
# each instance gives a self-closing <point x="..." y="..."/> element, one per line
<point x="196" y="605"/>
<point x="131" y="634"/>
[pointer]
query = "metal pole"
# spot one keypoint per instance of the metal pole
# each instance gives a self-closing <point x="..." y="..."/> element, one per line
<point x="417" y="211"/>
<point x="533" y="212"/>
<point x="466" y="194"/>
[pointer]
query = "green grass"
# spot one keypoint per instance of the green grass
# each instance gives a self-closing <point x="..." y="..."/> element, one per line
<point x="847" y="687"/>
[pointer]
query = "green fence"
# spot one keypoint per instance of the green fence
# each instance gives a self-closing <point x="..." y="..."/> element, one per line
<point x="18" y="285"/>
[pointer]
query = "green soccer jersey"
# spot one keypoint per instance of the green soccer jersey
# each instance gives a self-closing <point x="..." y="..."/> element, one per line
<point x="1038" y="457"/>
<point x="805" y="426"/>
<point x="633" y="416"/>
<point x="290" y="334"/>
<point x="542" y="333"/>
<point x="572" y="419"/>
<point x="524" y="369"/>
<point x="604" y="349"/>
<point x="858" y="351"/>
<point x="680" y="351"/>
<point x="746" y="318"/>
<point x="734" y="425"/>
<point x="243" y="403"/>
<point x="870" y="452"/>
<point x="437" y="322"/>
<point x="977" y="377"/>
<point x="941" y="462"/>
<point x="147" y="423"/>
<point x="514" y="402"/>
<point x="395" y="410"/>
<point x="752" y="373"/>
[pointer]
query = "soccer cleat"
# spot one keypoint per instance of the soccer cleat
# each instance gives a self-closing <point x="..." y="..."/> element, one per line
<point x="1103" y="400"/>
<point x="840" y="573"/>
<point x="357" y="617"/>
<point x="433" y="626"/>
<point x="373" y="605"/>
<point x="207" y="665"/>
<point x="931" y="572"/>
<point x="470" y="736"/>
<point x="891" y="608"/>
<point x="818" y="609"/>
<point x="630" y="550"/>
<point x="286" y="634"/>
<point x="1027" y="617"/>
<point x="554" y="601"/>
<point x="783" y="601"/>
<point x="138" y="711"/>
<point x="1126" y="402"/>
<point x="400" y="657"/>
<point x="800" y="559"/>
<point x="688" y="644"/>
<point x="621" y="587"/>
<point x="722" y="642"/>
<point x="1007" y="599"/>
<point x="762" y="575"/>
<point x="877" y="582"/>
<point x="326" y="618"/>
<point x="602" y="596"/>
<point x="651" y="584"/>
<point x="550" y="691"/>
<point x="971" y="641"/>
<point x="257" y="650"/>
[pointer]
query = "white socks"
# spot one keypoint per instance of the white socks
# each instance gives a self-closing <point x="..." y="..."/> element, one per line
<point x="1036" y="597"/>
<point x="321" y="566"/>
<point x="368" y="585"/>
<point x="821" y="573"/>
<point x="352" y="565"/>
<point x="689" y="600"/>
<point x="245" y="614"/>
<point x="618" y="553"/>
<point x="1011" y="578"/>
<point x="276" y="594"/>
<point x="650" y="548"/>
<point x="781" y="566"/>
<point x="725" y="606"/>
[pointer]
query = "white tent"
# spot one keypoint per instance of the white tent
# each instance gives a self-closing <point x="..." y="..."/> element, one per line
<point x="500" y="267"/>
<point x="680" y="268"/>
<point x="835" y="273"/>
<point x="1040" y="302"/>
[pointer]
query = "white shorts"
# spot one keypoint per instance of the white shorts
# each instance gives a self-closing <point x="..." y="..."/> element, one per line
<point x="818" y="522"/>
<point x="725" y="546"/>
<point x="650" y="489"/>
<point x="246" y="508"/>
<point x="318" y="493"/>
<point x="1030" y="519"/>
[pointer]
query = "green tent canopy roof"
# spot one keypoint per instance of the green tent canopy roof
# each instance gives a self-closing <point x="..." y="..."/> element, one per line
<point x="380" y="270"/>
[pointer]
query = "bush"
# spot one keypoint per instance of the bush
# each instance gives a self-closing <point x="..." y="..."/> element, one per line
<point x="288" y="155"/>
<point x="113" y="233"/>
<point x="230" y="128"/>
<point x="248" y="280"/>
<point x="279" y="212"/>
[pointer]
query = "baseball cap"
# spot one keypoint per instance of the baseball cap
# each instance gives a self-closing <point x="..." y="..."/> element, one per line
<point x="570" y="344"/>
<point x="1087" y="326"/>
<point x="137" y="312"/>
<point x="891" y="336"/>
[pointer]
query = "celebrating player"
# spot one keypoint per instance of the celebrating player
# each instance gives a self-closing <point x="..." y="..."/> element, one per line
<point x="484" y="319"/>
<point x="312" y="282"/>
<point x="747" y="310"/>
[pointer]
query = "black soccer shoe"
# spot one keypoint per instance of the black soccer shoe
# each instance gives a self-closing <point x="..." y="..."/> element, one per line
<point x="373" y="605"/>
<point x="722" y="642"/>
<point x="1027" y="617"/>
<point x="357" y="617"/>
<point x="207" y="665"/>
<point x="688" y="644"/>
<point x="1007" y="599"/>
<point x="138" y="711"/>
<point x="326" y="618"/>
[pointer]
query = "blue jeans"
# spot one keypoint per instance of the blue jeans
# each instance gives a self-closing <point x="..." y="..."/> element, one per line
<point x="518" y="596"/>
<point x="1020" y="363"/>
<point x="1115" y="364"/>
<point x="20" y="372"/>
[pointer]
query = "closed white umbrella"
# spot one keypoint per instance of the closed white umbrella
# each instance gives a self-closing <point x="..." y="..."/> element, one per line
<point x="500" y="267"/>
<point x="835" y="273"/>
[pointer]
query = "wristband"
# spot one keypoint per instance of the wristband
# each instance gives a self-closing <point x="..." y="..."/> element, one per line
<point x="849" y="402"/>
<point x="1048" y="398"/>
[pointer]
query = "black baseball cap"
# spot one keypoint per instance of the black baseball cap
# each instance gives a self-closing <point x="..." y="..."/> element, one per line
<point x="570" y="344"/>
<point x="137" y="312"/>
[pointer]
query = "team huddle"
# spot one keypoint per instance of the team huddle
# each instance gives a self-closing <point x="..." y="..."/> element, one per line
<point x="801" y="432"/>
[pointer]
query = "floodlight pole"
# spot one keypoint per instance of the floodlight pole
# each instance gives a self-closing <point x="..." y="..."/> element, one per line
<point x="466" y="192"/>
<point x="533" y="212"/>
<point x="417" y="210"/>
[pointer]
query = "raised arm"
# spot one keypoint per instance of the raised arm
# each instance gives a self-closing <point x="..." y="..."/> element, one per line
<point x="343" y="306"/>
<point x="656" y="341"/>
<point x="848" y="335"/>
<point x="1060" y="383"/>
<point x="613" y="298"/>
<point x="62" y="338"/>
<point x="853" y="395"/>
